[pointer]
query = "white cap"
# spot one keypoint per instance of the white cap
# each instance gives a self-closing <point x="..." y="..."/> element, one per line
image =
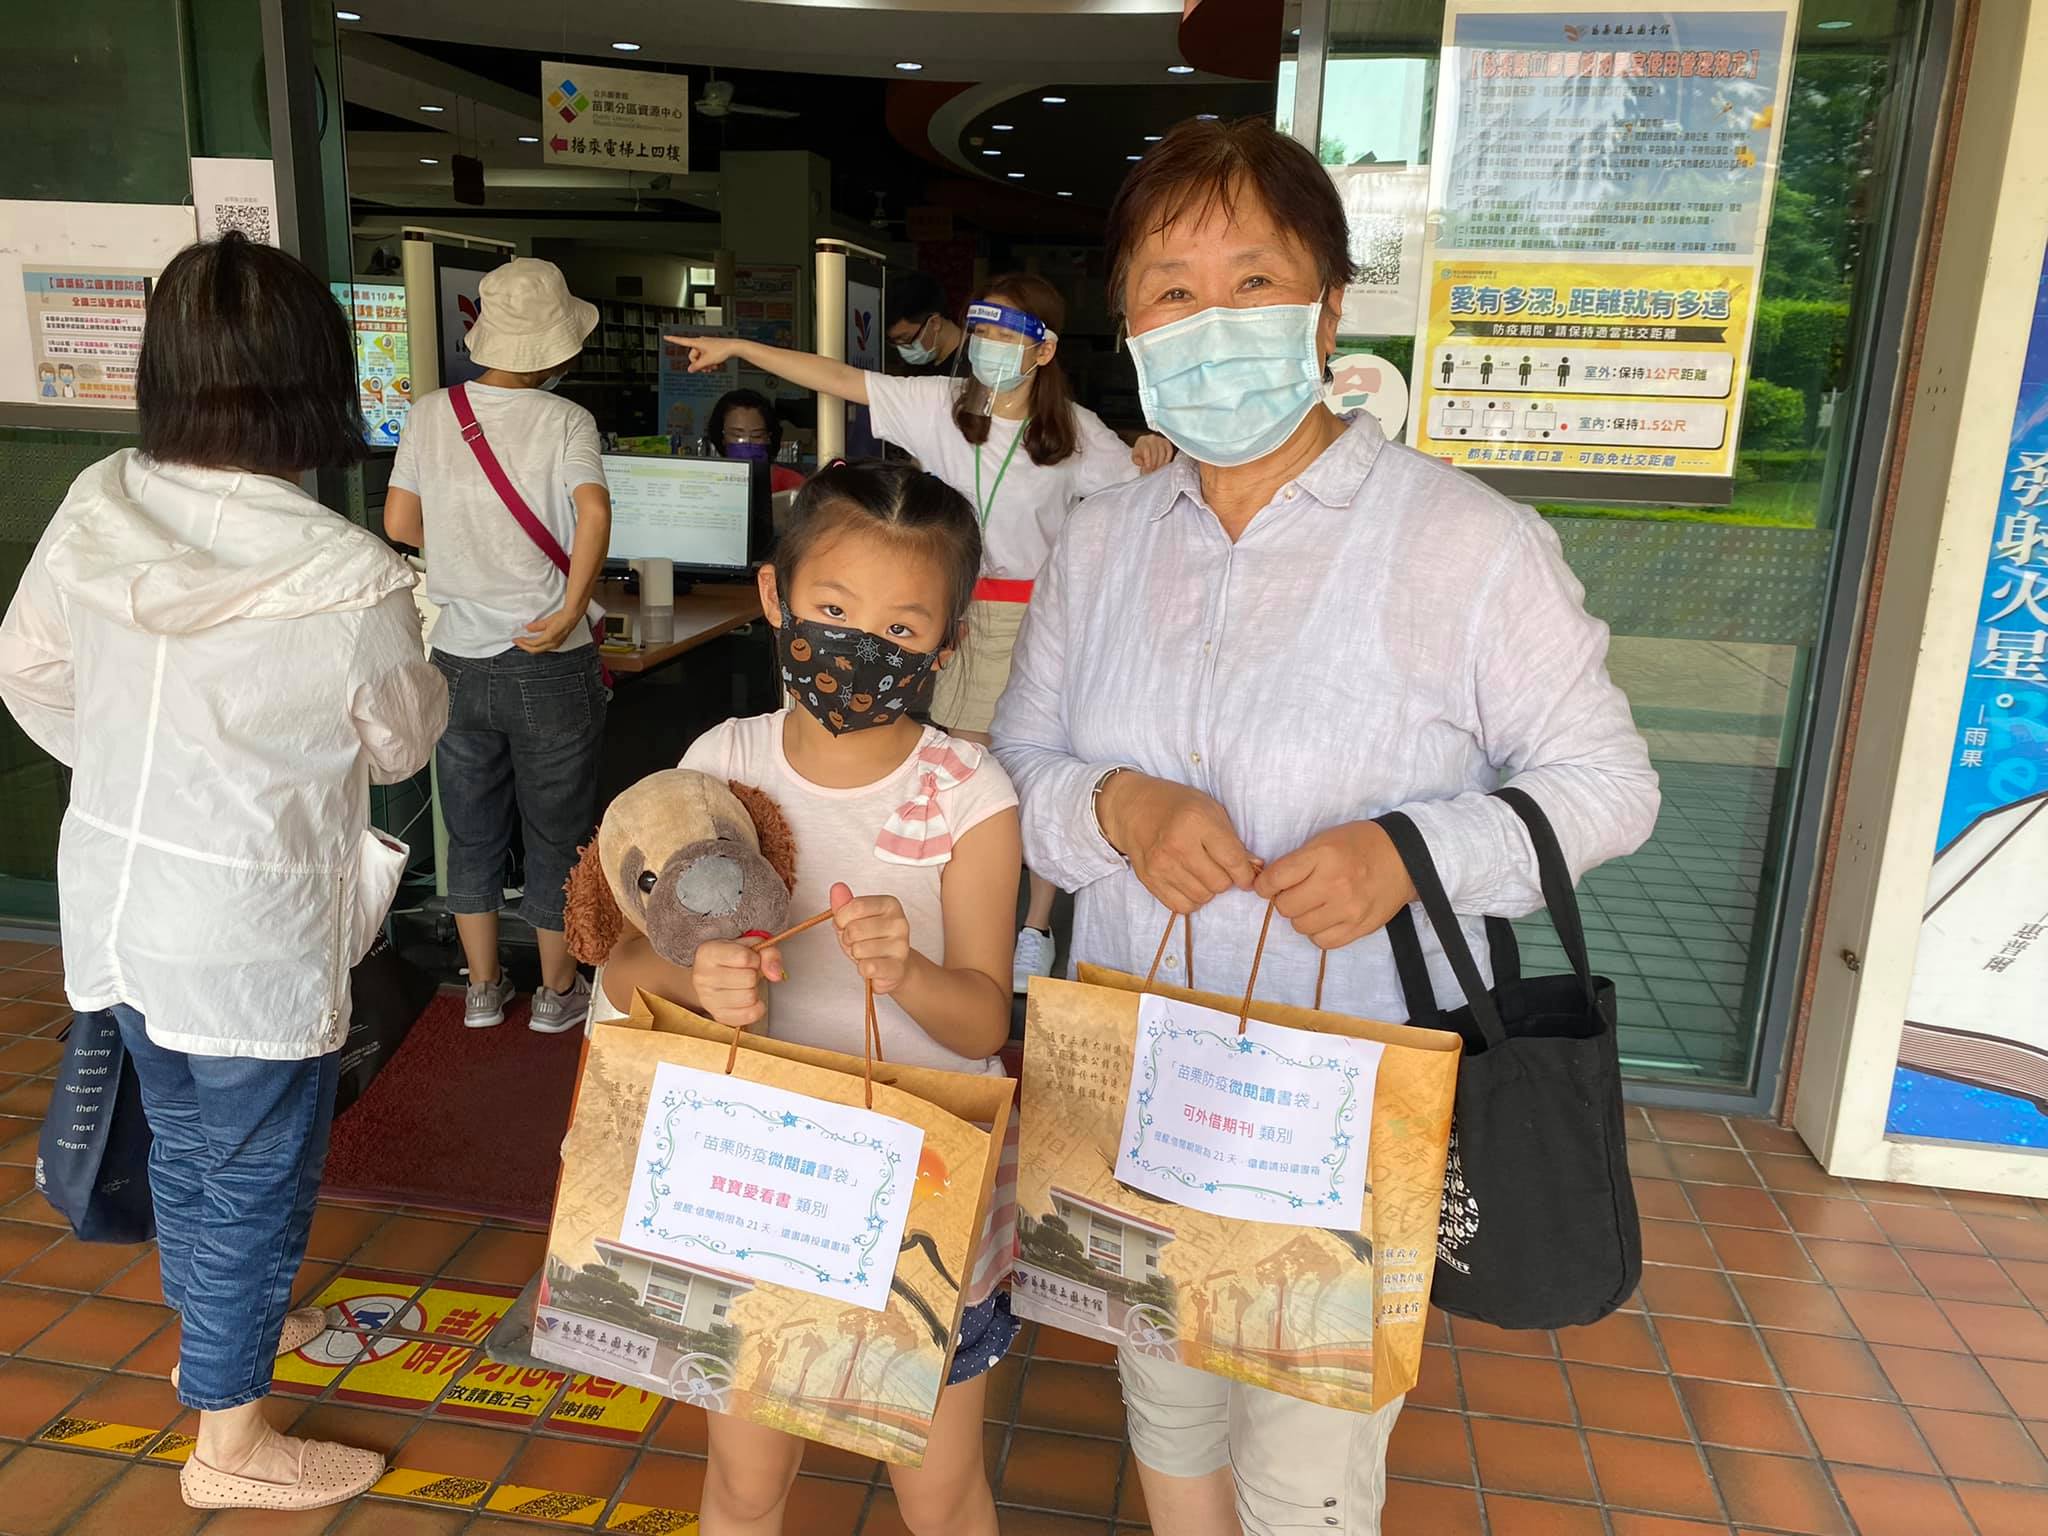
<point x="527" y="319"/>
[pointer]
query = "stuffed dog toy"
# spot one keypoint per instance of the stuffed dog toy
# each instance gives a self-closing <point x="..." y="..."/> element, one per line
<point x="685" y="860"/>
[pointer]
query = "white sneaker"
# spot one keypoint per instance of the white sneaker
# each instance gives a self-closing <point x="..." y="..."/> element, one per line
<point x="484" y="1005"/>
<point x="1034" y="958"/>
<point x="556" y="1013"/>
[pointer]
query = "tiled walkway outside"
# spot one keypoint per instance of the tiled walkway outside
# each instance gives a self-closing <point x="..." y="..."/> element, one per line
<point x="1807" y="1356"/>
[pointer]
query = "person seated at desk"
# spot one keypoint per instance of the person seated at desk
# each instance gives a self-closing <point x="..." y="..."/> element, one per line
<point x="744" y="426"/>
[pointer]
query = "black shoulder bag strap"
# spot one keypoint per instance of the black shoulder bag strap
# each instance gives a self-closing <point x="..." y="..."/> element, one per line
<point x="1558" y="895"/>
<point x="1436" y="904"/>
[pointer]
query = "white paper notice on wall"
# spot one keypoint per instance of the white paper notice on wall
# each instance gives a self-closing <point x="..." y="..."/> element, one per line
<point x="761" y="1182"/>
<point x="1269" y="1125"/>
<point x="235" y="196"/>
<point x="1386" y="209"/>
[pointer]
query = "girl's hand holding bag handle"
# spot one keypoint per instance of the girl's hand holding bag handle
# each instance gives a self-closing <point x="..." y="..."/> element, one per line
<point x="1539" y="1227"/>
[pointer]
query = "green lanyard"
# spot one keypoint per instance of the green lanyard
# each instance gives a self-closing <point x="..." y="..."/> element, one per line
<point x="986" y="507"/>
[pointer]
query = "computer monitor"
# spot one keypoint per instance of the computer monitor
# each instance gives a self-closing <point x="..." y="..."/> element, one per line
<point x="710" y="517"/>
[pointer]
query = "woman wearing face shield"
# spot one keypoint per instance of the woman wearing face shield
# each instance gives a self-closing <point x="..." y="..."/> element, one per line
<point x="1004" y="431"/>
<point x="1231" y="666"/>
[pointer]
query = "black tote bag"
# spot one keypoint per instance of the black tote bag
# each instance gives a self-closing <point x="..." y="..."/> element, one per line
<point x="387" y="993"/>
<point x="92" y="1158"/>
<point x="1539" y="1225"/>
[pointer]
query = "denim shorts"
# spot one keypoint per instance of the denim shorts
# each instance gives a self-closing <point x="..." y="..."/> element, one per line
<point x="523" y="738"/>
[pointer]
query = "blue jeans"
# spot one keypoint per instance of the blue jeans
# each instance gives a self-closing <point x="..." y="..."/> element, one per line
<point x="522" y="739"/>
<point x="234" y="1170"/>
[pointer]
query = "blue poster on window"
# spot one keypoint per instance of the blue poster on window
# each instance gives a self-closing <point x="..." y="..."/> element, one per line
<point x="1973" y="1060"/>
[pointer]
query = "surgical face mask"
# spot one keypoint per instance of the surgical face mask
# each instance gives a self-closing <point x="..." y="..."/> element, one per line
<point x="998" y="365"/>
<point x="552" y="382"/>
<point x="755" y="452"/>
<point x="914" y="351"/>
<point x="847" y="679"/>
<point x="1228" y="386"/>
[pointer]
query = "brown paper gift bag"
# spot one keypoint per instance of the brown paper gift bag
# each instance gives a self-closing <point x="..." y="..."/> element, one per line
<point x="1333" y="1317"/>
<point x="863" y="1380"/>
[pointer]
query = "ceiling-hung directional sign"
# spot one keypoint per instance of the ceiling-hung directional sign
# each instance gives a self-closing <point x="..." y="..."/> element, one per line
<point x="625" y="119"/>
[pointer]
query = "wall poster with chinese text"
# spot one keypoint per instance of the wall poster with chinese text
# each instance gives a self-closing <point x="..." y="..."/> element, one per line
<point x="1600" y="190"/>
<point x="383" y="356"/>
<point x="85" y="332"/>
<point x="1973" y="1058"/>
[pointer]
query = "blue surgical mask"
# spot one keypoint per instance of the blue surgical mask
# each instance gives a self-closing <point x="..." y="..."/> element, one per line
<point x="997" y="364"/>
<point x="915" y="353"/>
<point x="1228" y="386"/>
<point x="552" y="382"/>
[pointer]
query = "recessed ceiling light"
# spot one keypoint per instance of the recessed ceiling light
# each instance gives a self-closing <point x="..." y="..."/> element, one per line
<point x="1295" y="33"/>
<point x="1834" y="26"/>
<point x="1151" y="138"/>
<point x="1205" y="117"/>
<point x="1016" y="175"/>
<point x="1001" y="127"/>
<point x="1065" y="194"/>
<point x="348" y="15"/>
<point x="529" y="138"/>
<point x="625" y="47"/>
<point x="993" y="154"/>
<point x="1180" y="69"/>
<point x="427" y="106"/>
<point x="909" y="66"/>
<point x="425" y="161"/>
<point x="1054" y="101"/>
<point x="1134" y="157"/>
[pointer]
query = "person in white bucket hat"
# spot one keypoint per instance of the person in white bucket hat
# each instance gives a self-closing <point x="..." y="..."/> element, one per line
<point x="500" y="483"/>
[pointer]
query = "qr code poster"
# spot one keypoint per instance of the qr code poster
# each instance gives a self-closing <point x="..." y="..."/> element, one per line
<point x="1386" y="209"/>
<point x="235" y="197"/>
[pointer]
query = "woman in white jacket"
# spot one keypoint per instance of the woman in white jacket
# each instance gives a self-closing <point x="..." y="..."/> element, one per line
<point x="226" y="666"/>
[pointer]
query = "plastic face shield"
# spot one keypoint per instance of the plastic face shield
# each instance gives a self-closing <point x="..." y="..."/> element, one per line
<point x="1000" y="353"/>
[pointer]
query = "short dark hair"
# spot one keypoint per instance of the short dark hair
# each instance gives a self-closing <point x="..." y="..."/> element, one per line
<point x="247" y="363"/>
<point x="1204" y="165"/>
<point x="742" y="399"/>
<point x="915" y="296"/>
<point x="899" y="500"/>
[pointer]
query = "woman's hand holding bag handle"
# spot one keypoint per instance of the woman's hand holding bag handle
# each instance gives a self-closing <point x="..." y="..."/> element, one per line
<point x="1539" y="1226"/>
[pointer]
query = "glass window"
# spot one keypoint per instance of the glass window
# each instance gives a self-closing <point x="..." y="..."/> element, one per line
<point x="1106" y="1246"/>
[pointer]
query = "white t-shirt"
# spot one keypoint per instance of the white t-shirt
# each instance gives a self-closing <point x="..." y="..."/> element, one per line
<point x="1022" y="518"/>
<point x="487" y="577"/>
<point x="835" y="831"/>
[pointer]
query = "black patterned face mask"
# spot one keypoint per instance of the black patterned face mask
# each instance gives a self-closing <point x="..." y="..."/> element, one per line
<point x="848" y="679"/>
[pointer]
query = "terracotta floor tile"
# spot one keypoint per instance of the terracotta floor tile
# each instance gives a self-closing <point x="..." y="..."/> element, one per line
<point x="1913" y="1226"/>
<point x="2011" y="1238"/>
<point x="1080" y="1399"/>
<point x="2031" y="1276"/>
<point x="412" y="1243"/>
<point x="16" y="953"/>
<point x="31" y="1207"/>
<point x="1963" y="1277"/>
<point x="1623" y="1340"/>
<point x="383" y="1519"/>
<point x="1650" y="1160"/>
<point x="26" y="1312"/>
<point x="146" y="1402"/>
<point x="460" y="1450"/>
<point x="1130" y="1500"/>
<point x="1653" y="1475"/>
<point x="266" y="1522"/>
<point x="1436" y="1385"/>
<point x="2024" y="1383"/>
<point x="42" y="1489"/>
<point x="1635" y="1123"/>
<point x="1422" y="1507"/>
<point x="1058" y="1344"/>
<point x="1880" y="1192"/>
<point x="1728" y="1205"/>
<point x="1531" y="1458"/>
<point x="1746" y="1418"/>
<point x="1436" y="1329"/>
<point x="1782" y="1492"/>
<point x="75" y="1266"/>
<point x="820" y="1504"/>
<point x="1711" y="1165"/>
<point x="1985" y="1448"/>
<point x="1692" y="1127"/>
<point x="1746" y="1252"/>
<point x="25" y="1054"/>
<point x="157" y="1356"/>
<point x="1717" y="1351"/>
<point x="1627" y="1402"/>
<point x="1811" y="1363"/>
<point x="1061" y="1472"/>
<point x="338" y="1230"/>
<point x="673" y="1482"/>
<point x="1793" y="1305"/>
<point x="1883" y="1317"/>
<point x="2005" y="1511"/>
<point x="2011" y="1333"/>
<point x="2038" y="1428"/>
<point x="1662" y="1200"/>
<point x="501" y="1256"/>
<point x="569" y="1466"/>
<point x="21" y="1241"/>
<point x="99" y="1333"/>
<point x="1627" y="1524"/>
<point x="142" y="1499"/>
<point x="1767" y="1136"/>
<point x="1892" y="1504"/>
<point x="24" y="1019"/>
<point x="15" y="1181"/>
<point x="367" y="1427"/>
<point x="1507" y="1516"/>
<point x="1467" y="1334"/>
<point x="28" y="1096"/>
<point x="1931" y="1378"/>
<point x="1864" y="1434"/>
<point x="141" y="1281"/>
<point x="1823" y="1216"/>
<point x="1431" y="1446"/>
<point x="1862" y="1266"/>
<point x="32" y="1394"/>
<point x="1798" y="1173"/>
<point x="1671" y="1291"/>
<point x="1969" y="1202"/>
<point x="1513" y="1387"/>
<point x="1677" y="1242"/>
<point x="999" y="1404"/>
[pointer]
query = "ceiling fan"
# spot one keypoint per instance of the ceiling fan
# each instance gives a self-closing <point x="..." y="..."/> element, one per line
<point x="717" y="102"/>
<point x="880" y="218"/>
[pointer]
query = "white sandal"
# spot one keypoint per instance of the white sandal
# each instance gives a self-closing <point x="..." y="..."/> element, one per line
<point x="328" y="1474"/>
<point x="300" y="1329"/>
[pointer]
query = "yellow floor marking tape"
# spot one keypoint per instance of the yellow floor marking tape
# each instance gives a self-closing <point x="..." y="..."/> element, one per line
<point x="432" y="1487"/>
<point x="546" y="1504"/>
<point x="647" y="1520"/>
<point x="96" y="1435"/>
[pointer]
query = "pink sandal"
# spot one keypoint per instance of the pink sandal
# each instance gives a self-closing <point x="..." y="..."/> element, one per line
<point x="300" y="1329"/>
<point x="328" y="1474"/>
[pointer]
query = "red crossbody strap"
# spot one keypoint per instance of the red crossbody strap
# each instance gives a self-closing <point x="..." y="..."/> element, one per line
<point x="508" y="493"/>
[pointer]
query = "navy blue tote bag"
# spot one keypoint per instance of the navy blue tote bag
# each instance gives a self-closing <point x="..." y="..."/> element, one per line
<point x="92" y="1161"/>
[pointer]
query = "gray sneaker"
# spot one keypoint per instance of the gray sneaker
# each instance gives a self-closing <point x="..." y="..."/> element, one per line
<point x="556" y="1013"/>
<point x="484" y="1005"/>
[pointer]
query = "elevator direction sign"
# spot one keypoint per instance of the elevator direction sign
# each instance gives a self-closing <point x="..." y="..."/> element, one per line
<point x="621" y="119"/>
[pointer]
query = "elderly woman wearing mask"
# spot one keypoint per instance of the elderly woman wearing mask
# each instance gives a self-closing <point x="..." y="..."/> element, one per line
<point x="1231" y="666"/>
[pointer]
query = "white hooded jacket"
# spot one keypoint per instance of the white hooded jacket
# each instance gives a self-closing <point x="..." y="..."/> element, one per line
<point x="226" y="666"/>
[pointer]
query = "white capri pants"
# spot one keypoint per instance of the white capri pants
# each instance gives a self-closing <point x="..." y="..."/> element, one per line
<point x="1298" y="1467"/>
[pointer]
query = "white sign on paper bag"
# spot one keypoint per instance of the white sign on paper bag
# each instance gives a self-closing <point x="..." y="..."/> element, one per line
<point x="762" y="1182"/>
<point x="1270" y="1125"/>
